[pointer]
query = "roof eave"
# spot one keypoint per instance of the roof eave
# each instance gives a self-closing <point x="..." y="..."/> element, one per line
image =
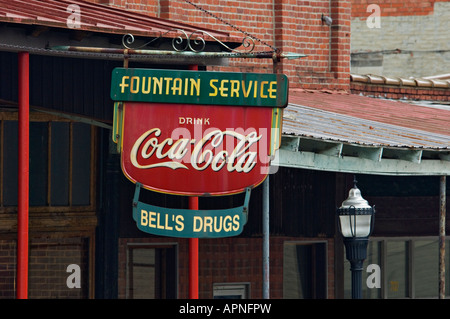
<point x="336" y="156"/>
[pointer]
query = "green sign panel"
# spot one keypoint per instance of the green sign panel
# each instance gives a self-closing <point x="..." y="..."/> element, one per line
<point x="193" y="87"/>
<point x="189" y="223"/>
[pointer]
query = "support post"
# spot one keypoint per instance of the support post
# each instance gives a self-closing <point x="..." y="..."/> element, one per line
<point x="193" y="244"/>
<point x="266" y="246"/>
<point x="23" y="177"/>
<point x="442" y="205"/>
<point x="193" y="257"/>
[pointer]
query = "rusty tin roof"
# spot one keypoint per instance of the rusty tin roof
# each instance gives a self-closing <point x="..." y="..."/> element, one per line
<point x="363" y="120"/>
<point x="337" y="131"/>
<point x="93" y="18"/>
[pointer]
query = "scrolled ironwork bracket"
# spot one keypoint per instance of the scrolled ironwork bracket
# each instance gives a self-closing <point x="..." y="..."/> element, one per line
<point x="194" y="41"/>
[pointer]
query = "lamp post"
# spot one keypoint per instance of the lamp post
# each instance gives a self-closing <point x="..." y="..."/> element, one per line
<point x="356" y="219"/>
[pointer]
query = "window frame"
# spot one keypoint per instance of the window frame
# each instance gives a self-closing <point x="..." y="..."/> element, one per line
<point x="231" y="289"/>
<point x="130" y="247"/>
<point x="314" y="244"/>
<point x="49" y="208"/>
<point x="410" y="263"/>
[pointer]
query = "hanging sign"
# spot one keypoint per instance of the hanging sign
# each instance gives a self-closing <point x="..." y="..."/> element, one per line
<point x="194" y="149"/>
<point x="189" y="223"/>
<point x="193" y="87"/>
<point x="197" y="134"/>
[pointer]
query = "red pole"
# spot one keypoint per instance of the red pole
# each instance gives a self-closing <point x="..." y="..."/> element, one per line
<point x="23" y="180"/>
<point x="193" y="257"/>
<point x="193" y="244"/>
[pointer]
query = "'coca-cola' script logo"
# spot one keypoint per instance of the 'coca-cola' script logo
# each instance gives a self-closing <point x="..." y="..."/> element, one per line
<point x="210" y="151"/>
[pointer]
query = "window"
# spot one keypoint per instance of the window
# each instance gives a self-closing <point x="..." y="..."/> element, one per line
<point x="425" y="268"/>
<point x="61" y="163"/>
<point x="151" y="272"/>
<point x="231" y="291"/>
<point x="304" y="271"/>
<point x="409" y="268"/>
<point x="397" y="269"/>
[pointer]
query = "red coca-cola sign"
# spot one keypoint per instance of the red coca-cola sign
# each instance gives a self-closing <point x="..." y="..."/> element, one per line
<point x="197" y="133"/>
<point x="192" y="150"/>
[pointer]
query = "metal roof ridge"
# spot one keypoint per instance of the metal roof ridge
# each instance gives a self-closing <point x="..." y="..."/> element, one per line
<point x="428" y="82"/>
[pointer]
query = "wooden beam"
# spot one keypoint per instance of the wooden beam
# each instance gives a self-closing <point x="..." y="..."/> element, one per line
<point x="48" y="222"/>
<point x="349" y="164"/>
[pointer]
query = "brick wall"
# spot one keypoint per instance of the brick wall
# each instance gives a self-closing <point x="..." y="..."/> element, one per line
<point x="7" y="268"/>
<point x="47" y="273"/>
<point x="401" y="93"/>
<point x="141" y="6"/>
<point x="289" y="25"/>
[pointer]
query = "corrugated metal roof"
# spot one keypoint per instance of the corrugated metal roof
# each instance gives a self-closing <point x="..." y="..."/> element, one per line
<point x="93" y="17"/>
<point x="365" y="121"/>
<point x="315" y="123"/>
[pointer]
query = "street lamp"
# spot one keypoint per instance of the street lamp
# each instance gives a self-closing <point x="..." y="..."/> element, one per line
<point x="356" y="219"/>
